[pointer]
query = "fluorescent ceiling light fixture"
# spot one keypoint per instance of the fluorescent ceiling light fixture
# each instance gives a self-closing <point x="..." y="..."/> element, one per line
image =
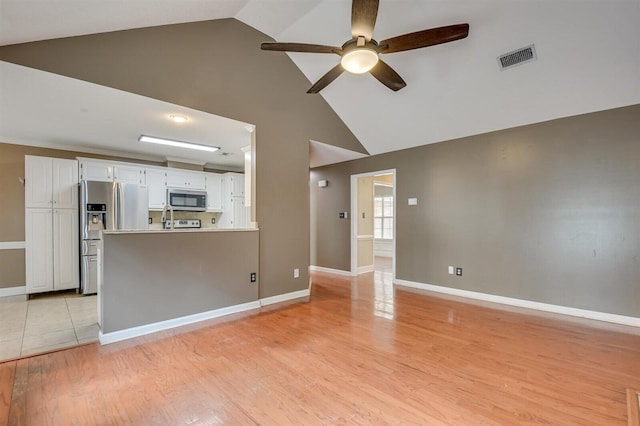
<point x="180" y="144"/>
<point x="179" y="118"/>
<point x="360" y="60"/>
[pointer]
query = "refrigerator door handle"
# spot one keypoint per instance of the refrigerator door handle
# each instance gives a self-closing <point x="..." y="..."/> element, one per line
<point x="118" y="206"/>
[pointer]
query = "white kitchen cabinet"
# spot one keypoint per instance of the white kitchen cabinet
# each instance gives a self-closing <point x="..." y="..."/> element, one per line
<point x="38" y="185"/>
<point x="235" y="213"/>
<point x="51" y="250"/>
<point x="185" y="179"/>
<point x="214" y="192"/>
<point x="106" y="171"/>
<point x="38" y="227"/>
<point x="50" y="182"/>
<point x="66" y="272"/>
<point x="128" y="174"/>
<point x="157" y="186"/>
<point x="51" y="224"/>
<point x="96" y="171"/>
<point x="234" y="184"/>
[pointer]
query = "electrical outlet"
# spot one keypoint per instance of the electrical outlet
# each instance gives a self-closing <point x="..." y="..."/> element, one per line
<point x="296" y="273"/>
<point x="253" y="277"/>
<point x="459" y="272"/>
<point x="451" y="272"/>
<point x="213" y="220"/>
<point x="150" y="221"/>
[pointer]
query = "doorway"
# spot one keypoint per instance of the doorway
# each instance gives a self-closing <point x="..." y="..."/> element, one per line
<point x="373" y="225"/>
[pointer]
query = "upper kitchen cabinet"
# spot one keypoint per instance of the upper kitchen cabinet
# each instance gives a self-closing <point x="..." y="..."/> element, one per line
<point x="157" y="184"/>
<point x="128" y="174"/>
<point x="96" y="171"/>
<point x="108" y="171"/>
<point x="185" y="179"/>
<point x="214" y="192"/>
<point x="234" y="184"/>
<point x="51" y="182"/>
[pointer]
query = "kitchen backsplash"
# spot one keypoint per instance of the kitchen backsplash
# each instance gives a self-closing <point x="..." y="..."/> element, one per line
<point x="205" y="218"/>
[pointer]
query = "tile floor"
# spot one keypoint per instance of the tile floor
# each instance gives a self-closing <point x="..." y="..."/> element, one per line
<point x="45" y="323"/>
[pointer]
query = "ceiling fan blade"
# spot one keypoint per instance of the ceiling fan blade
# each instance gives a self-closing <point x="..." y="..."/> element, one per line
<point x="300" y="47"/>
<point x="424" y="38"/>
<point x="387" y="76"/>
<point x="363" y="18"/>
<point x="326" y="79"/>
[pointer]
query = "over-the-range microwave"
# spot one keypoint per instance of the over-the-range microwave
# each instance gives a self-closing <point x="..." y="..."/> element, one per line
<point x="186" y="199"/>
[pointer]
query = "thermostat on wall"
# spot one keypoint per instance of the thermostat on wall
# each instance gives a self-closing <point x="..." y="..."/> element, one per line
<point x="412" y="201"/>
<point x="323" y="183"/>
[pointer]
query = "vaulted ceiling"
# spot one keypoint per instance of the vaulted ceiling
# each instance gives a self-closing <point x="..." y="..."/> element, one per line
<point x="588" y="56"/>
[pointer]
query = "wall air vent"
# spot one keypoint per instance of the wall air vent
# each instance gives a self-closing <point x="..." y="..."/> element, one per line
<point x="517" y="57"/>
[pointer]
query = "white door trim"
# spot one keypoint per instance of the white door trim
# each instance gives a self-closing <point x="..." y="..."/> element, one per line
<point x="354" y="217"/>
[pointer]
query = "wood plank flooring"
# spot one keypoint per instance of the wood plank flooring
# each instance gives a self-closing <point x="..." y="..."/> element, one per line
<point x="359" y="352"/>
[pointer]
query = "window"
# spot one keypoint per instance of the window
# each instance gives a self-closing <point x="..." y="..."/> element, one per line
<point x="383" y="217"/>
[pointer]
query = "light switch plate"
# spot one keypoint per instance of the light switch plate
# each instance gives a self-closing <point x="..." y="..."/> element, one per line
<point x="451" y="272"/>
<point x="412" y="201"/>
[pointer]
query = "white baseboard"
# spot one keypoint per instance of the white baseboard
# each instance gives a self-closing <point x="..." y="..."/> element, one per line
<point x="382" y="253"/>
<point x="558" y="309"/>
<point x="329" y="270"/>
<point x="13" y="291"/>
<point x="129" y="333"/>
<point x="365" y="269"/>
<point x="284" y="297"/>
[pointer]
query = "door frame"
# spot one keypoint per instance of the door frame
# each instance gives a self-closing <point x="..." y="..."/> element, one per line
<point x="354" y="218"/>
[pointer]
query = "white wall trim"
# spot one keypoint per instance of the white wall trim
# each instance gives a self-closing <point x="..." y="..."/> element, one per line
<point x="116" y="336"/>
<point x="330" y="271"/>
<point x="558" y="309"/>
<point x="365" y="269"/>
<point x="284" y="297"/>
<point x="12" y="245"/>
<point x="13" y="291"/>
<point x="365" y="237"/>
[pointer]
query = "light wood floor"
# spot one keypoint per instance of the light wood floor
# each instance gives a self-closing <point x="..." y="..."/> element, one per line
<point x="359" y="352"/>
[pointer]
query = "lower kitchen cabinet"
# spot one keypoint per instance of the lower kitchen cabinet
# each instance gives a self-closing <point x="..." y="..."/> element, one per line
<point x="51" y="250"/>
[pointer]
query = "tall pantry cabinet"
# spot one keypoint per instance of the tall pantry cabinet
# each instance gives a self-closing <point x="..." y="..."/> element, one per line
<point x="51" y="224"/>
<point x="234" y="212"/>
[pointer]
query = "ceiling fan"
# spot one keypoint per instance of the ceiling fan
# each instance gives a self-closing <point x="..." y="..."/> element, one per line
<point x="361" y="53"/>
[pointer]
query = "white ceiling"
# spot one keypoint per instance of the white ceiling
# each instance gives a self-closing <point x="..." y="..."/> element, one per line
<point x="44" y="109"/>
<point x="588" y="56"/>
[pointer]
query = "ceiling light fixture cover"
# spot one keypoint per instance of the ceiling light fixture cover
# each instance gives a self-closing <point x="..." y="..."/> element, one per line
<point x="179" y="118"/>
<point x="179" y="144"/>
<point x="359" y="61"/>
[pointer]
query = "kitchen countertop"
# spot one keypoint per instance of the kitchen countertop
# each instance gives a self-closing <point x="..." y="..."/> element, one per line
<point x="178" y="230"/>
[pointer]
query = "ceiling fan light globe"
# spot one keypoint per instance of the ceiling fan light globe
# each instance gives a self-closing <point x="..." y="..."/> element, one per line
<point x="359" y="61"/>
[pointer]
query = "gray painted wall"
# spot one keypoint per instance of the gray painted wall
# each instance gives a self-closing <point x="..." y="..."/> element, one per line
<point x="151" y="277"/>
<point x="187" y="64"/>
<point x="548" y="212"/>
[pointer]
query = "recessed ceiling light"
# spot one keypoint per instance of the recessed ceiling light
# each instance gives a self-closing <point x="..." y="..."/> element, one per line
<point x="180" y="144"/>
<point x="179" y="118"/>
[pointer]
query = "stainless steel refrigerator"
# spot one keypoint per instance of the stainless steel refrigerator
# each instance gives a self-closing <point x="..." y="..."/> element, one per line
<point x="107" y="206"/>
